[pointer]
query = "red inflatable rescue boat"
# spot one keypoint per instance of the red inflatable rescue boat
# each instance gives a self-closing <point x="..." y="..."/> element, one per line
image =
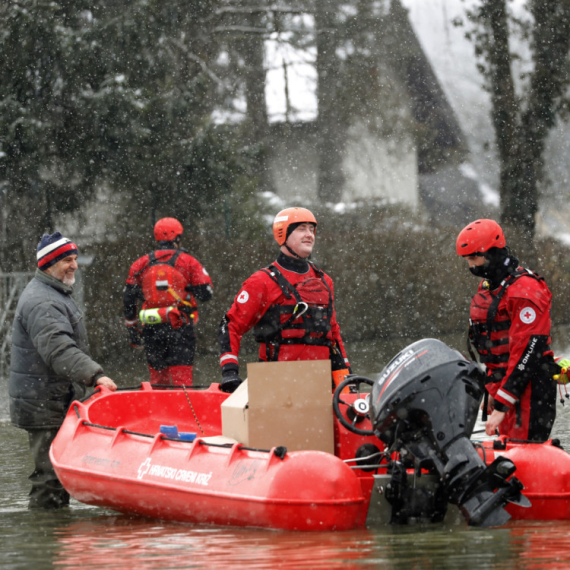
<point x="159" y="453"/>
<point x="111" y="452"/>
<point x="544" y="471"/>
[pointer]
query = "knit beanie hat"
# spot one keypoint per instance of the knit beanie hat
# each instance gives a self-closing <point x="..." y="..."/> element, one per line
<point x="52" y="248"/>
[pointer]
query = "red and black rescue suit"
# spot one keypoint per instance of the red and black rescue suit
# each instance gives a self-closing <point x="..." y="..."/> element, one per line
<point x="290" y="306"/>
<point x="167" y="277"/>
<point x="510" y="329"/>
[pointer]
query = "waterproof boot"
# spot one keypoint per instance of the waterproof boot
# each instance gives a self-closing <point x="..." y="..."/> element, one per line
<point x="47" y="492"/>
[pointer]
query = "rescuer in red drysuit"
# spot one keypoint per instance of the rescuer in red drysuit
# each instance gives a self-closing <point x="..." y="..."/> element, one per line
<point x="509" y="327"/>
<point x="289" y="305"/>
<point x="167" y="281"/>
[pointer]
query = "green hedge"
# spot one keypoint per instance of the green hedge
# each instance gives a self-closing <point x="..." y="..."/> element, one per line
<point x="394" y="276"/>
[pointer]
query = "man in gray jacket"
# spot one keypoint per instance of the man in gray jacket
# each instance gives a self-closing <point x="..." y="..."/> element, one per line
<point x="50" y="363"/>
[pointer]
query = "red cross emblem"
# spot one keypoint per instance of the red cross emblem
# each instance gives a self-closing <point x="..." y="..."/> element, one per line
<point x="528" y="315"/>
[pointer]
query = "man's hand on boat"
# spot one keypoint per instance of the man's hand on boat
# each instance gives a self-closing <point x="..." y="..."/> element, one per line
<point x="107" y="382"/>
<point x="493" y="422"/>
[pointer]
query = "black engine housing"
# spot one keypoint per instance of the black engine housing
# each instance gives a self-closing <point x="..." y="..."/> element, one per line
<point x="424" y="405"/>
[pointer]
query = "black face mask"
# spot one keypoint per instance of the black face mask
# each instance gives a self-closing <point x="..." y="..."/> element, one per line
<point x="498" y="264"/>
<point x="480" y="270"/>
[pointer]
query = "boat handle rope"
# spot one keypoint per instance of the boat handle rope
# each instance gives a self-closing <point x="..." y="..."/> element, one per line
<point x="128" y="431"/>
<point x="97" y="389"/>
<point x="170" y="387"/>
<point x="89" y="424"/>
<point x="193" y="412"/>
<point x="279" y="451"/>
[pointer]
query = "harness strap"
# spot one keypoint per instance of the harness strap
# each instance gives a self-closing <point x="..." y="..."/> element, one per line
<point x="159" y="260"/>
<point x="312" y="341"/>
<point x="495" y="358"/>
<point x="479" y="328"/>
<point x="494" y="306"/>
<point x="290" y="291"/>
<point x="490" y="326"/>
<point x="153" y="260"/>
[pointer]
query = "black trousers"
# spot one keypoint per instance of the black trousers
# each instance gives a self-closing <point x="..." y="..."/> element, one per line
<point x="47" y="492"/>
<point x="165" y="346"/>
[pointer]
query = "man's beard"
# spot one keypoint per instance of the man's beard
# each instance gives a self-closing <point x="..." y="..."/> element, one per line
<point x="69" y="280"/>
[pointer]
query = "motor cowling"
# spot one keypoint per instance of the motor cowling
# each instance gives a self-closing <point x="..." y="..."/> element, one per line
<point x="424" y="406"/>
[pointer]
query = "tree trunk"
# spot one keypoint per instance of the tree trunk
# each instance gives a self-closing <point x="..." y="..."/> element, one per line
<point x="330" y="139"/>
<point x="521" y="135"/>
<point x="251" y="47"/>
<point x="505" y="109"/>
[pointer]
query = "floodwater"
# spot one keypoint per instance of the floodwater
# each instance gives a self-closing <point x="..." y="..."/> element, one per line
<point x="84" y="537"/>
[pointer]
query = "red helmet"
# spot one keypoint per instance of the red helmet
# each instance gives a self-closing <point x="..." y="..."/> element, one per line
<point x="286" y="218"/>
<point x="480" y="236"/>
<point x="167" y="229"/>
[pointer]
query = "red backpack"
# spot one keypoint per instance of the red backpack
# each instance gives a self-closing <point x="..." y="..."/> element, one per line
<point x="162" y="284"/>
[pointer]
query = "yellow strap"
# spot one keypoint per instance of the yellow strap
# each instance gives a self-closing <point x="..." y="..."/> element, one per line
<point x="179" y="299"/>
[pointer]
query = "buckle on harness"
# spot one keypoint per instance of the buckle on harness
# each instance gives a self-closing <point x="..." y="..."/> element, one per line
<point x="303" y="310"/>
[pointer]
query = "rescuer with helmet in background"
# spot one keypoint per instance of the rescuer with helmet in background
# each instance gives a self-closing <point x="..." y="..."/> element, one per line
<point x="509" y="327"/>
<point x="168" y="281"/>
<point x="289" y="305"/>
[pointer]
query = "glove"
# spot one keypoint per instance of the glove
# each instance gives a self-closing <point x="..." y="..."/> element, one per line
<point x="230" y="381"/>
<point x="135" y="336"/>
<point x="563" y="376"/>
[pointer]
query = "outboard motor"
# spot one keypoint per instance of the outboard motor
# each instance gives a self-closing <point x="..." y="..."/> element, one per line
<point x="424" y="405"/>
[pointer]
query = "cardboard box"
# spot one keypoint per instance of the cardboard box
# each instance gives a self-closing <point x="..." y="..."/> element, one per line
<point x="282" y="403"/>
<point x="235" y="423"/>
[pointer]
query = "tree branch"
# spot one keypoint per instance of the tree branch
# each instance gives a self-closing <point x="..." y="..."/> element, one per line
<point x="198" y="60"/>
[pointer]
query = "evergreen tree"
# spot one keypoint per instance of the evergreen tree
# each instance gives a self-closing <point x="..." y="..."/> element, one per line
<point x="112" y="94"/>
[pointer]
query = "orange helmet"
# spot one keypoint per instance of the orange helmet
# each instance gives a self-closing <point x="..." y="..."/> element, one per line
<point x="167" y="229"/>
<point x="288" y="217"/>
<point x="480" y="236"/>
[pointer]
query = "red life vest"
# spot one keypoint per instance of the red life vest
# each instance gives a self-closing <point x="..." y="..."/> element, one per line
<point x="304" y="317"/>
<point x="162" y="284"/>
<point x="490" y="323"/>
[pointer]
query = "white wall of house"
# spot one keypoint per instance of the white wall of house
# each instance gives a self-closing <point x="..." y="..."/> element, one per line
<point x="375" y="168"/>
<point x="380" y="168"/>
<point x="294" y="161"/>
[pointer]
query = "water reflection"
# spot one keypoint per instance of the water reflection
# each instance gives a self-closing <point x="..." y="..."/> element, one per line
<point x="122" y="542"/>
